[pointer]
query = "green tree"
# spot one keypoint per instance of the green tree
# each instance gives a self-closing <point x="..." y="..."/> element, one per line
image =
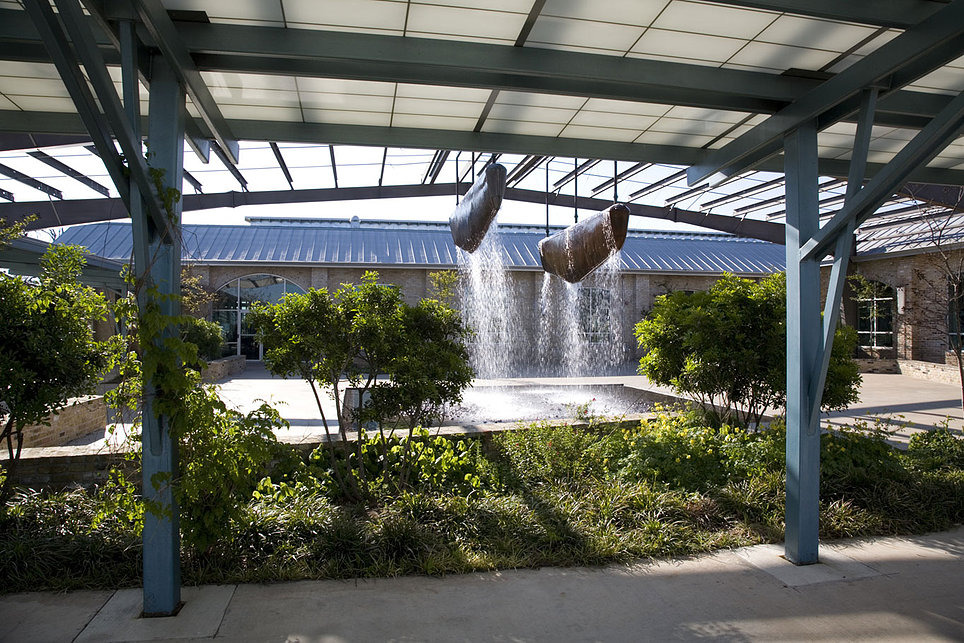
<point x="410" y="360"/>
<point x="727" y="348"/>
<point x="48" y="352"/>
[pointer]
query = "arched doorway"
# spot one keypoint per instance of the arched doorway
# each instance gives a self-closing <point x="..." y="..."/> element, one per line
<point x="233" y="303"/>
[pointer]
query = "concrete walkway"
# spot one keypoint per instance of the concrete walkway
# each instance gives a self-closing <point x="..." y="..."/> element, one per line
<point x="889" y="589"/>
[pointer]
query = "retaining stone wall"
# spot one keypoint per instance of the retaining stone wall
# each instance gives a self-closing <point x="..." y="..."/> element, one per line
<point x="59" y="468"/>
<point x="932" y="371"/>
<point x="225" y="367"/>
<point x="81" y="416"/>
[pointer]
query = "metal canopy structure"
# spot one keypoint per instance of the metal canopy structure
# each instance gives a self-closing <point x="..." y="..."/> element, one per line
<point x="724" y="113"/>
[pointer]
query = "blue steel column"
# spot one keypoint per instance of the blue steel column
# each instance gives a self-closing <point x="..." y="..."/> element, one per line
<point x="803" y="346"/>
<point x="162" y="542"/>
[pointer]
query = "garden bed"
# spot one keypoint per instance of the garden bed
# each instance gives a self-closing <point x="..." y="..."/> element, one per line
<point x="548" y="495"/>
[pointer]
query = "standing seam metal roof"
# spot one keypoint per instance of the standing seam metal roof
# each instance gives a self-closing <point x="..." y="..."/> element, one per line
<point x="399" y="245"/>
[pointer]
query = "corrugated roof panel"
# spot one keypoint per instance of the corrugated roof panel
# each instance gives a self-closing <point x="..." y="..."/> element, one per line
<point x="428" y="245"/>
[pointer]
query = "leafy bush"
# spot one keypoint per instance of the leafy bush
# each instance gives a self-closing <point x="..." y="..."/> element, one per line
<point x="855" y="457"/>
<point x="223" y="456"/>
<point x="746" y="373"/>
<point x="356" y="334"/>
<point x="48" y="543"/>
<point x="206" y="335"/>
<point x="680" y="450"/>
<point x="568" y="497"/>
<point x="938" y="450"/>
<point x="415" y="461"/>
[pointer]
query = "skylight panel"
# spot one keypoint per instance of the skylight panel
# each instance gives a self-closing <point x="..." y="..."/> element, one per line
<point x="714" y="19"/>
<point x="684" y="45"/>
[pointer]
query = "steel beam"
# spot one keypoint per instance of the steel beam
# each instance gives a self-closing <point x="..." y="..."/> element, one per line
<point x="168" y="39"/>
<point x="16" y="175"/>
<point x="936" y="40"/>
<point x="229" y="166"/>
<point x="948" y="196"/>
<point x="803" y="344"/>
<point x="224" y="48"/>
<point x="62" y="167"/>
<point x="843" y="247"/>
<point x="417" y="138"/>
<point x="917" y="152"/>
<point x="113" y="116"/>
<point x="653" y="187"/>
<point x="284" y="166"/>
<point x="162" y="570"/>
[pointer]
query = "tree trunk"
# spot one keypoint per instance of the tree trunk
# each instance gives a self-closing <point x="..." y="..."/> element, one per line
<point x="14" y="458"/>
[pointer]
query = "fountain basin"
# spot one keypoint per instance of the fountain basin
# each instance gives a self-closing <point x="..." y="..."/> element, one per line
<point x="511" y="402"/>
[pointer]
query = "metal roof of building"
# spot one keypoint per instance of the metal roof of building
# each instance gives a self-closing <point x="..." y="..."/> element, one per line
<point x="378" y="243"/>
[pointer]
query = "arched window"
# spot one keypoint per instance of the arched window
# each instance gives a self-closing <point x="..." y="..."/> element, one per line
<point x="234" y="301"/>
<point x="875" y="315"/>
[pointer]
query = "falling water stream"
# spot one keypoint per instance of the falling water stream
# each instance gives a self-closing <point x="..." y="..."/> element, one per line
<point x="524" y="329"/>
<point x="569" y="330"/>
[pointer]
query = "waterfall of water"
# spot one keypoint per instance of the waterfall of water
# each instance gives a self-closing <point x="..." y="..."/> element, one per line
<point x="579" y="326"/>
<point x="489" y="308"/>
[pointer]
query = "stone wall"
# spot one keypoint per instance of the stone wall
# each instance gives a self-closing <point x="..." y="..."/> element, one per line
<point x="943" y="373"/>
<point x="220" y="369"/>
<point x="81" y="416"/>
<point x="868" y="365"/>
<point x="59" y="468"/>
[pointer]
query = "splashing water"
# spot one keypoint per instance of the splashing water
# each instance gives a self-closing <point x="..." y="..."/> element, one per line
<point x="489" y="308"/>
<point x="579" y="326"/>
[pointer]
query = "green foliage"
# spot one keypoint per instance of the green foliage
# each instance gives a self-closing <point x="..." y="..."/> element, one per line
<point x="357" y="334"/>
<point x="588" y="498"/>
<point x="679" y="450"/>
<point x="442" y="285"/>
<point x="727" y="347"/>
<point x="543" y="453"/>
<point x="11" y="231"/>
<point x="206" y="335"/>
<point x="857" y="457"/>
<point x="196" y="296"/>
<point x="48" y="542"/>
<point x="48" y="352"/>
<point x="417" y="461"/>
<point x="223" y="456"/>
<point x="937" y="450"/>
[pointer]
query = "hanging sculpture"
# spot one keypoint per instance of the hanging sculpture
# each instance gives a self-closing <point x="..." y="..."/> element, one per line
<point x="478" y="208"/>
<point x="576" y="251"/>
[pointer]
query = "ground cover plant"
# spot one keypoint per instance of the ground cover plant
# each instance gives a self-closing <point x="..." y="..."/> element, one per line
<point x="544" y="495"/>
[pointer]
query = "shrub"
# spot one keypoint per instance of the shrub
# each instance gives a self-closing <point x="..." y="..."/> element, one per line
<point x="672" y="449"/>
<point x="415" y="461"/>
<point x="938" y="450"/>
<point x="853" y="457"/>
<point x="206" y="335"/>
<point x="727" y="348"/>
<point x="543" y="453"/>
